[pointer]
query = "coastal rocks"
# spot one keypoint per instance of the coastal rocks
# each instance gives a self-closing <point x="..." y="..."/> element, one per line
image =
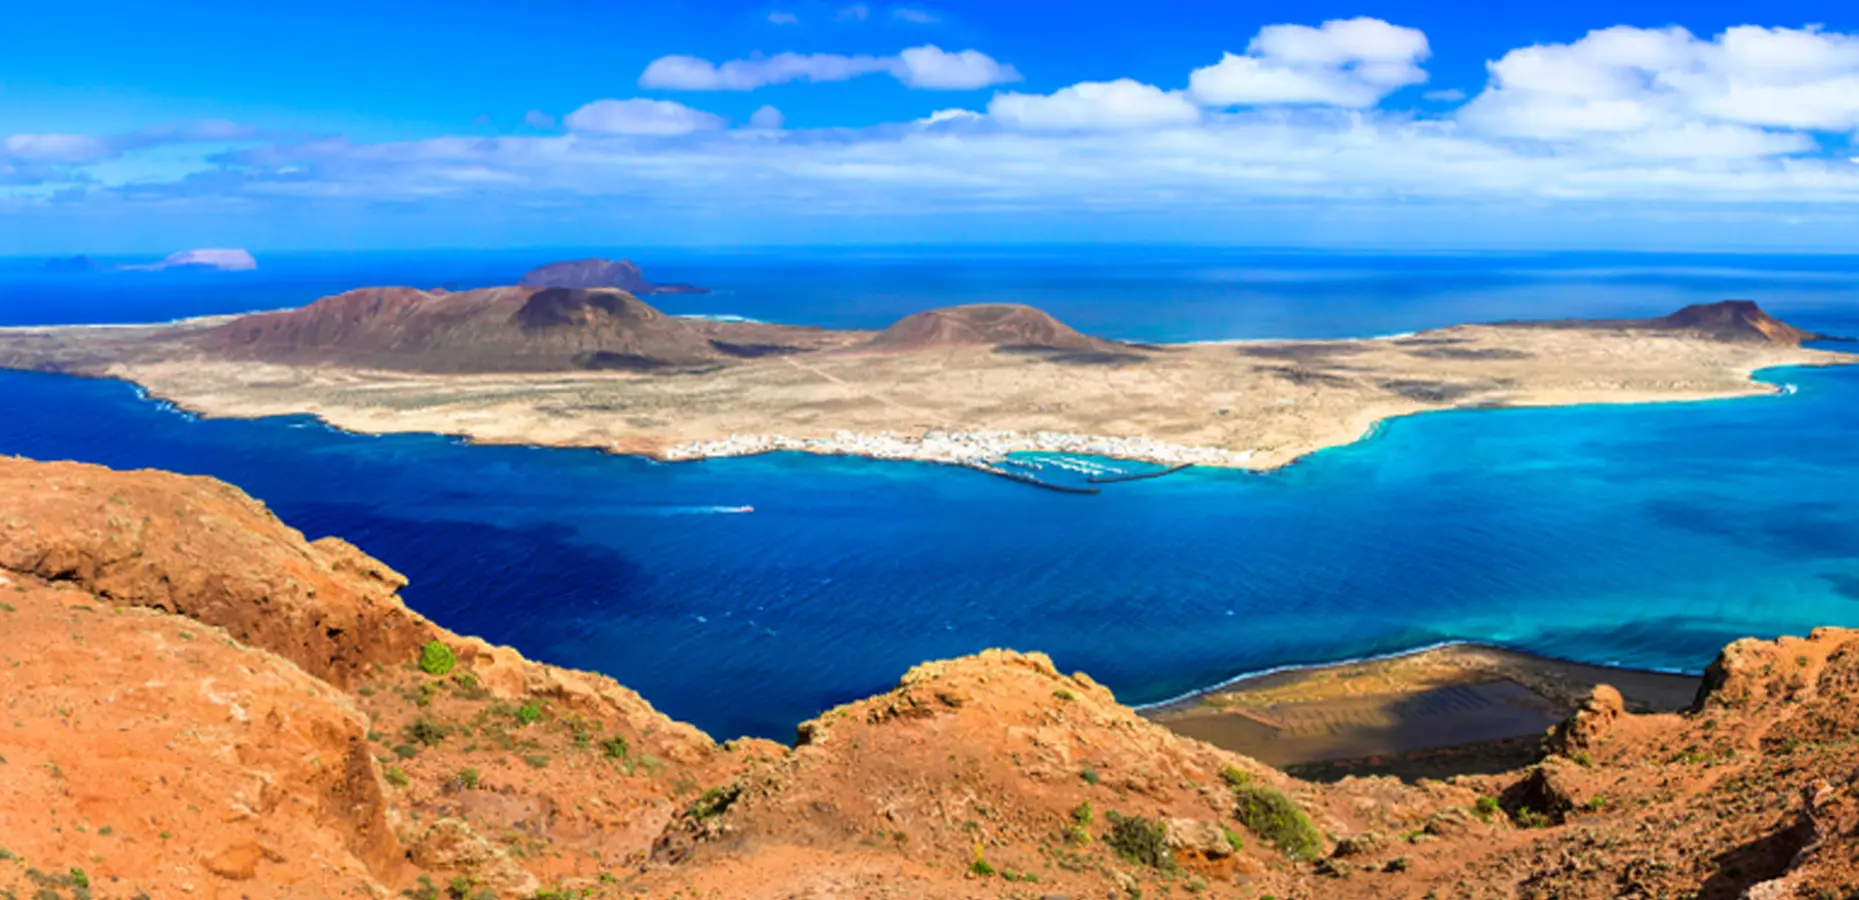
<point x="1583" y="731"/>
<point x="202" y="549"/>
<point x="506" y="675"/>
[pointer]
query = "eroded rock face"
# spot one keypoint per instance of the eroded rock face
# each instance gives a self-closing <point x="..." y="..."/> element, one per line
<point x="203" y="549"/>
<point x="188" y="763"/>
<point x="1584" y="730"/>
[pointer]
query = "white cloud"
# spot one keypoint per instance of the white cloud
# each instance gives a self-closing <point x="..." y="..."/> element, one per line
<point x="932" y="67"/>
<point x="857" y="12"/>
<point x="927" y="67"/>
<point x="55" y="148"/>
<point x="783" y="18"/>
<point x="1447" y="95"/>
<point x="1119" y="104"/>
<point x="914" y="16"/>
<point x="1618" y="122"/>
<point x="1748" y="92"/>
<point x="652" y="118"/>
<point x="1345" y="62"/>
<point x="943" y="116"/>
<point x="536" y="118"/>
<point x="767" y="118"/>
<point x="689" y="73"/>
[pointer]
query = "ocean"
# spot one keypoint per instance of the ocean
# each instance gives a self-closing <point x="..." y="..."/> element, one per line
<point x="1643" y="535"/>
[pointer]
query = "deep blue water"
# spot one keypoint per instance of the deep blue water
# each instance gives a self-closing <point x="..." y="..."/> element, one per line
<point x="1645" y="535"/>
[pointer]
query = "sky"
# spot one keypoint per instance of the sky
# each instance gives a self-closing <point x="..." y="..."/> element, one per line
<point x="128" y="126"/>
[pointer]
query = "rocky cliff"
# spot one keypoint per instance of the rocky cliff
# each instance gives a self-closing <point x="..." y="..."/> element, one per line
<point x="199" y="702"/>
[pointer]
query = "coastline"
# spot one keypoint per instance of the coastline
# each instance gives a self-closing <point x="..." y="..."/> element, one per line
<point x="1404" y="713"/>
<point x="977" y="450"/>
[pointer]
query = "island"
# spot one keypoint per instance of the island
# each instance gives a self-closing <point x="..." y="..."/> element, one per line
<point x="602" y="273"/>
<point x="212" y="260"/>
<point x="965" y="385"/>
<point x="69" y="265"/>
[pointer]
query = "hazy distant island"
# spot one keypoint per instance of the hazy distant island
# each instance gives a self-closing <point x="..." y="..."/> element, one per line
<point x="968" y="385"/>
<point x="73" y="264"/>
<point x="601" y="273"/>
<point x="210" y="259"/>
<point x="222" y="260"/>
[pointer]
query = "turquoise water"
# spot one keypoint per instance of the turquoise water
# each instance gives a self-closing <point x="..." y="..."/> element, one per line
<point x="1642" y="535"/>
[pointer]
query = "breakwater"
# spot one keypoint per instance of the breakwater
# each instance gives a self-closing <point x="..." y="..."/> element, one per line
<point x="1138" y="476"/>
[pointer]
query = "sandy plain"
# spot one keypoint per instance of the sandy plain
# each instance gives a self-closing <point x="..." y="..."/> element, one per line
<point x="1255" y="404"/>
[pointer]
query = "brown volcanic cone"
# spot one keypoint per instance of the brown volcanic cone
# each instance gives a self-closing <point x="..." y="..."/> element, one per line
<point x="599" y="273"/>
<point x="487" y="330"/>
<point x="1735" y="320"/>
<point x="1006" y="327"/>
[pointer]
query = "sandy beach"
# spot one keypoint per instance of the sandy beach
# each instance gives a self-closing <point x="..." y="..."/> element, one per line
<point x="1461" y="707"/>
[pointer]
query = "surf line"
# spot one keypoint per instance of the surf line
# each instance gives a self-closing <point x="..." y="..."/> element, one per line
<point x="1024" y="478"/>
<point x="1138" y="476"/>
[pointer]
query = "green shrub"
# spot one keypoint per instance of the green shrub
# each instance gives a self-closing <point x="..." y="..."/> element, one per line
<point x="616" y="747"/>
<point x="1529" y="818"/>
<point x="528" y="714"/>
<point x="426" y="732"/>
<point x="1486" y="807"/>
<point x="395" y="776"/>
<point x="1089" y="775"/>
<point x="1139" y="840"/>
<point x="1235" y="777"/>
<point x="1272" y="816"/>
<point x="1233" y="839"/>
<point x="714" y="802"/>
<point x="468" y="778"/>
<point x="1082" y="814"/>
<point x="436" y="658"/>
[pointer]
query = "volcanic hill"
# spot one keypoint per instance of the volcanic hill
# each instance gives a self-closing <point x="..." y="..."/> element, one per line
<point x="1005" y="327"/>
<point x="1730" y="321"/>
<point x="506" y="329"/>
<point x="200" y="703"/>
<point x="601" y="273"/>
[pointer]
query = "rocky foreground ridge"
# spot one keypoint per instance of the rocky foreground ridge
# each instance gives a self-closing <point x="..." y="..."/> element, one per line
<point x="197" y="702"/>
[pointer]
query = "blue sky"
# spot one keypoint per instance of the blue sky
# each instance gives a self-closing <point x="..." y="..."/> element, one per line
<point x="142" y="127"/>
